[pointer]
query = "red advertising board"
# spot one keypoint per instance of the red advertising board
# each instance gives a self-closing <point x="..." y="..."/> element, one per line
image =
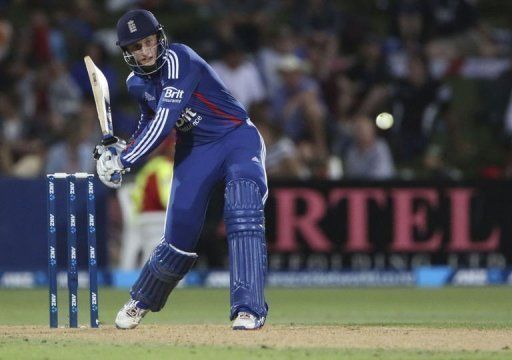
<point x="394" y="225"/>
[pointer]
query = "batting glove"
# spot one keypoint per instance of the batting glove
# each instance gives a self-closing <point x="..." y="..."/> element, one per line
<point x="110" y="168"/>
<point x="109" y="143"/>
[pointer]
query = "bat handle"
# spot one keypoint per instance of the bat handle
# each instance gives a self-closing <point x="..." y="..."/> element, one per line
<point x="108" y="140"/>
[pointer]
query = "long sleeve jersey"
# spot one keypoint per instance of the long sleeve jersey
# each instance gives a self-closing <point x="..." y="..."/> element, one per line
<point x="186" y="94"/>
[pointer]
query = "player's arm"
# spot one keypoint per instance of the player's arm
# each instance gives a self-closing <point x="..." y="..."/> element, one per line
<point x="118" y="144"/>
<point x="181" y="78"/>
<point x="146" y="115"/>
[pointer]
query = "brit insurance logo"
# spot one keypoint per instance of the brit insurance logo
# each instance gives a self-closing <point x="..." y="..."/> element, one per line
<point x="172" y="94"/>
<point x="188" y="120"/>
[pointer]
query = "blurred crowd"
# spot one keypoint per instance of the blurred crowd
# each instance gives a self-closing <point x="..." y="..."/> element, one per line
<point x="313" y="75"/>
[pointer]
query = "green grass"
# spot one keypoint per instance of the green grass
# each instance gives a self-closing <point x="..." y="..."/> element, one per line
<point x="448" y="307"/>
<point x="473" y="308"/>
<point x="82" y="350"/>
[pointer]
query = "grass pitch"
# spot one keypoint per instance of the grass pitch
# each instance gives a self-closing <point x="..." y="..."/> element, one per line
<point x="405" y="323"/>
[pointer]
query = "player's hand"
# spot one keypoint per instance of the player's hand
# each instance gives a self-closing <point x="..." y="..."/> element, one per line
<point x="110" y="168"/>
<point x="112" y="142"/>
<point x="113" y="184"/>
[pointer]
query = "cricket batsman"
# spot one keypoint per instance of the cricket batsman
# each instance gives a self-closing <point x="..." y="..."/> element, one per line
<point x="216" y="141"/>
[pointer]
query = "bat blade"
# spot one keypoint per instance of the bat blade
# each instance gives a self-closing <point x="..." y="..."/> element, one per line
<point x="101" y="94"/>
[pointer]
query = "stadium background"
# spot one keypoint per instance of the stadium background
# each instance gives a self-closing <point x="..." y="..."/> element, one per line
<point x="432" y="190"/>
<point x="368" y="240"/>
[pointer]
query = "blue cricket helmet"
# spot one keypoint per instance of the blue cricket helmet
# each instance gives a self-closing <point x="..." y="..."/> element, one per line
<point x="135" y="25"/>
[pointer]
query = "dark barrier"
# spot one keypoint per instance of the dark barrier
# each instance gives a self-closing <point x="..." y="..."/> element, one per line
<point x="23" y="224"/>
<point x="392" y="225"/>
<point x="310" y="226"/>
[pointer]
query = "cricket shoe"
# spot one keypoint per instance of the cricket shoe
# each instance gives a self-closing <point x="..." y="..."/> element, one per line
<point x="130" y="315"/>
<point x="247" y="321"/>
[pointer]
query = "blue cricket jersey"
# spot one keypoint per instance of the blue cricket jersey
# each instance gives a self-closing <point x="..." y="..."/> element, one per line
<point x="187" y="94"/>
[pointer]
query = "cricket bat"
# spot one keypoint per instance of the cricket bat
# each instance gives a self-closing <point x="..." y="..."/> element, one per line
<point x="101" y="93"/>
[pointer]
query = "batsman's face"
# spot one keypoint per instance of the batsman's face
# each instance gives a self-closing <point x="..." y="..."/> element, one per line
<point x="145" y="51"/>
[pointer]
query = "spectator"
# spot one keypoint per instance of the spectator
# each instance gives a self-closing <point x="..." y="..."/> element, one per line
<point x="240" y="20"/>
<point x="21" y="155"/>
<point x="504" y="108"/>
<point x="323" y="57"/>
<point x="370" y="75"/>
<point x="507" y="166"/>
<point x="408" y="34"/>
<point x="283" y="158"/>
<point x="5" y="36"/>
<point x="73" y="153"/>
<point x="79" y="73"/>
<point x="5" y="158"/>
<point x="64" y="94"/>
<point x="298" y="109"/>
<point x="435" y="166"/>
<point x="40" y="38"/>
<point x="316" y="15"/>
<point x="11" y="124"/>
<point x="369" y="157"/>
<point x="281" y="43"/>
<point x="347" y="75"/>
<point x="143" y="205"/>
<point x="452" y="17"/>
<point x="240" y="75"/>
<point x="457" y="31"/>
<point x="419" y="104"/>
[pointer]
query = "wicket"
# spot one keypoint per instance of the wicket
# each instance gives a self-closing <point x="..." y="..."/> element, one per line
<point x="72" y="269"/>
